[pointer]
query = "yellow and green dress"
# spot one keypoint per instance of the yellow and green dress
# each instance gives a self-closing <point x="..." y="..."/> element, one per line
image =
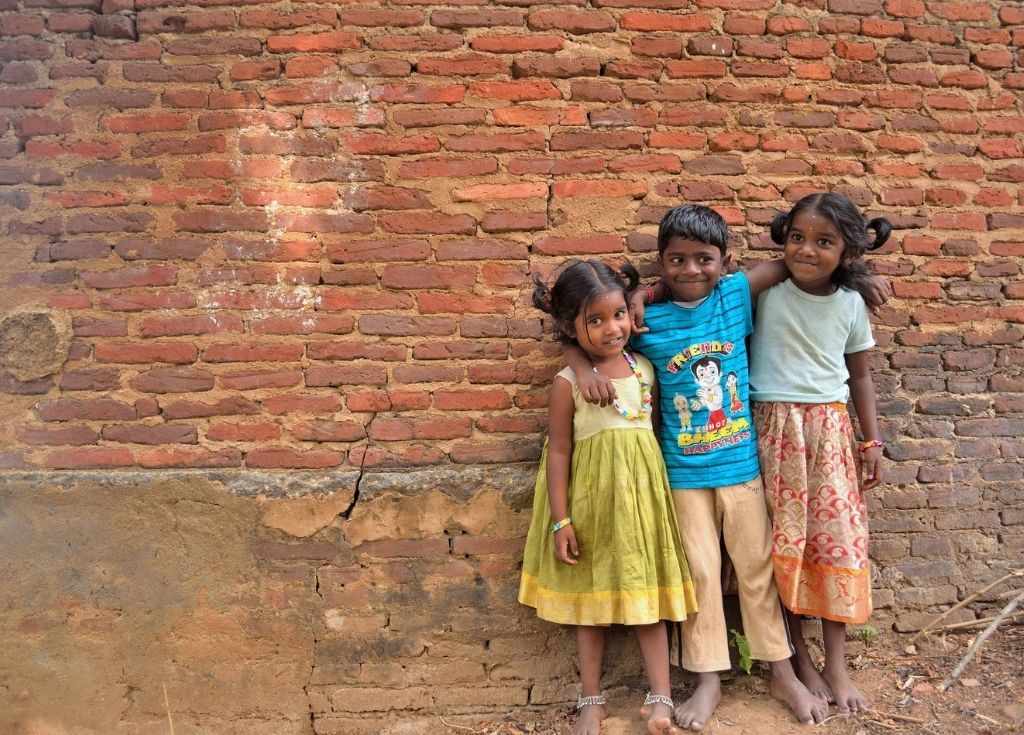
<point x="631" y="569"/>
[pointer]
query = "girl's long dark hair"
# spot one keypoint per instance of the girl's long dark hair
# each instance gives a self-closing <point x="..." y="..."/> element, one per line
<point x="844" y="214"/>
<point x="578" y="283"/>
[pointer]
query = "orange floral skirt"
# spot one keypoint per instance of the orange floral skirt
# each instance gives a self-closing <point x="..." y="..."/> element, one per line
<point x="819" y="519"/>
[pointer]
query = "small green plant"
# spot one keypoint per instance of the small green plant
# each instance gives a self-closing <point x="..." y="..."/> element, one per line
<point x="866" y="634"/>
<point x="742" y="648"/>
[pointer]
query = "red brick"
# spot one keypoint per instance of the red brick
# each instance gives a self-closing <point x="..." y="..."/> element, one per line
<point x="471" y="400"/>
<point x="428" y="276"/>
<point x="351" y="374"/>
<point x="73" y="434"/>
<point x="571" y="21"/>
<point x="497" y="192"/>
<point x="153" y="275"/>
<point x="435" y="303"/>
<point x="172" y="380"/>
<point x="186" y="409"/>
<point x="392" y="325"/>
<point x="476" y="18"/>
<point x="502" y="142"/>
<point x="317" y="42"/>
<point x="247" y="432"/>
<point x="176" y="326"/>
<point x="516" y="91"/>
<point x="695" y="68"/>
<point x="594" y="244"/>
<point x="257" y="379"/>
<point x="89" y="458"/>
<point x="360" y="401"/>
<point x="507" y="44"/>
<point x="303" y="324"/>
<point x="355" y="350"/>
<point x="639" y="20"/>
<point x="146" y="352"/>
<point x="92" y="409"/>
<point x="322" y="430"/>
<point x="419" y="93"/>
<point x="412" y="118"/>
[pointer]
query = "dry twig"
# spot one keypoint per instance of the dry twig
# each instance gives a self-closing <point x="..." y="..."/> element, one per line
<point x="965" y="601"/>
<point x="973" y="623"/>
<point x="894" y="716"/>
<point x="167" y="704"/>
<point x="980" y="640"/>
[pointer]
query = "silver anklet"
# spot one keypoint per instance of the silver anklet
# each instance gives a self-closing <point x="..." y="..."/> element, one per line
<point x="588" y="701"/>
<point x="652" y="698"/>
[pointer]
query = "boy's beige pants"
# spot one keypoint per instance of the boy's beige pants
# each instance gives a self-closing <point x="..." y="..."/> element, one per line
<point x="738" y="515"/>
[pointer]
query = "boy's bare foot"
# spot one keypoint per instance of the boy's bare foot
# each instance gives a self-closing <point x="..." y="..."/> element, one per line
<point x="589" y="719"/>
<point x="847" y="697"/>
<point x="807" y="673"/>
<point x="694" y="713"/>
<point x="785" y="687"/>
<point x="659" y="719"/>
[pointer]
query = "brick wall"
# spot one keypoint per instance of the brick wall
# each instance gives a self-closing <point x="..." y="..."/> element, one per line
<point x="258" y="237"/>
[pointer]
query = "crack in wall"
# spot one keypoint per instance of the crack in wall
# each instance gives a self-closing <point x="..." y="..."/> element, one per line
<point x="347" y="513"/>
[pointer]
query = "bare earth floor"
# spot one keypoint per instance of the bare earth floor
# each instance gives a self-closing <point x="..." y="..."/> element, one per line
<point x="902" y="684"/>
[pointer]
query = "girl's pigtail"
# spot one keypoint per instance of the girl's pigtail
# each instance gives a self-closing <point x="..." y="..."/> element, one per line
<point x="779" y="227"/>
<point x="630" y="276"/>
<point x="882" y="228"/>
<point x="541" y="295"/>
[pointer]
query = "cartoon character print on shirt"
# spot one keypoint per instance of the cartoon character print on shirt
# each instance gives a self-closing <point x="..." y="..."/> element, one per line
<point x="683" y="407"/>
<point x="707" y="371"/>
<point x="717" y="429"/>
<point x="732" y="383"/>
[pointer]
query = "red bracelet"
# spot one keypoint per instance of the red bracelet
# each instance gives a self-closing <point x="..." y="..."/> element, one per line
<point x="865" y="446"/>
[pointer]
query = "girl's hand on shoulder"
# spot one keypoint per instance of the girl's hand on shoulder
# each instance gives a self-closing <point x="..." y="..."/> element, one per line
<point x="636" y="310"/>
<point x="877" y="290"/>
<point x="871" y="468"/>
<point x="567" y="550"/>
<point x="595" y="388"/>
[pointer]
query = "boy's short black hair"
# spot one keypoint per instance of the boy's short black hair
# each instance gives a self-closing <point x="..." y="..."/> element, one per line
<point x="693" y="222"/>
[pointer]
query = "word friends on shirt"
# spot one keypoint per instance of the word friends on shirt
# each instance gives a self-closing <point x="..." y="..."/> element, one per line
<point x="718" y="429"/>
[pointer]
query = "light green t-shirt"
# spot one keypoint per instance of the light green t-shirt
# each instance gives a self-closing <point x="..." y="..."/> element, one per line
<point x="797" y="351"/>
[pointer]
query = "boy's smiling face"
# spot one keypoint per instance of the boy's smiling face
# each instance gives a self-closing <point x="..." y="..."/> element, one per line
<point x="691" y="268"/>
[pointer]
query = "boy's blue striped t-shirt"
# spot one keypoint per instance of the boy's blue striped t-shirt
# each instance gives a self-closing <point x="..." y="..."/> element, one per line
<point x="700" y="355"/>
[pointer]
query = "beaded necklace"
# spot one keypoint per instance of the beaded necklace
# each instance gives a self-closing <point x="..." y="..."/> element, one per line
<point x="645" y="393"/>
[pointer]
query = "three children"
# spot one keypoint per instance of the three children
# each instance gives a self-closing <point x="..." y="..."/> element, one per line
<point x="696" y="343"/>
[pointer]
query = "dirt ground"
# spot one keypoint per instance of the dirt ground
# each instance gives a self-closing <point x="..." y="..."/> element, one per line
<point x="902" y="683"/>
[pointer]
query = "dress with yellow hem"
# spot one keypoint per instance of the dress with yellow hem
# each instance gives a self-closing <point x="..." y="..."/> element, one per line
<point x="631" y="569"/>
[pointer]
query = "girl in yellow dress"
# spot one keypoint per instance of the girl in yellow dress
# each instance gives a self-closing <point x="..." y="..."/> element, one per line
<point x="603" y="545"/>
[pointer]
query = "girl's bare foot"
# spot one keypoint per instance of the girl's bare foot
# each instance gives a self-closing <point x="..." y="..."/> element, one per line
<point x="808" y="674"/>
<point x="802" y="662"/>
<point x="694" y="713"/>
<point x="847" y="697"/>
<point x="589" y="719"/>
<point x="785" y="687"/>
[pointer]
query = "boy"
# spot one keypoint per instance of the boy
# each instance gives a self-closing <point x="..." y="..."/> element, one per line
<point x="694" y="341"/>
